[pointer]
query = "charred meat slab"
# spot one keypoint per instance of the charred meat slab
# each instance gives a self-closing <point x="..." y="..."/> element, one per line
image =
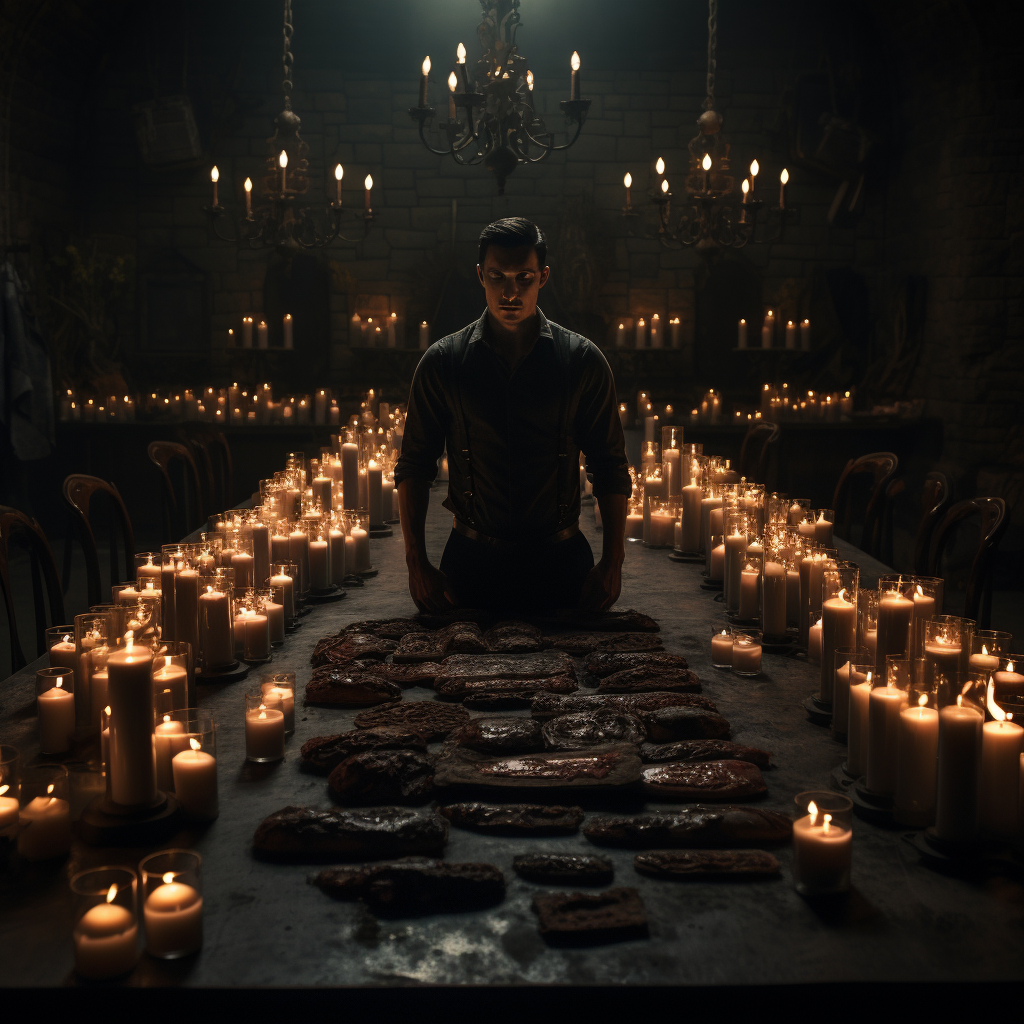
<point x="703" y="750"/>
<point x="564" y="868"/>
<point x="692" y="828"/>
<point x="693" y="781"/>
<point x="683" y="864"/>
<point x="430" y="719"/>
<point x="549" y="705"/>
<point x="515" y="819"/>
<point x="340" y="688"/>
<point x="323" y="753"/>
<point x="505" y="735"/>
<point x="591" y="728"/>
<point x="684" y="723"/>
<point x="606" y="663"/>
<point x="382" y="777"/>
<point x="588" y="919"/>
<point x="644" y="680"/>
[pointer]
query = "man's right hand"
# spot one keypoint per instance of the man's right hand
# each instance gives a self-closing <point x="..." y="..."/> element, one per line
<point x="430" y="588"/>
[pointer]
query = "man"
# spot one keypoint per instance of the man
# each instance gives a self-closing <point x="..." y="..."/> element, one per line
<point x="515" y="398"/>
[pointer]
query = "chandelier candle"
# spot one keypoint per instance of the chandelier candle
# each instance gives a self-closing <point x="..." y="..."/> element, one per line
<point x="339" y="173"/>
<point x="367" y="186"/>
<point x="956" y="801"/>
<point x="424" y="79"/>
<point x="783" y="181"/>
<point x="132" y="767"/>
<point x="287" y="325"/>
<point x="574" y="82"/>
<point x="282" y="161"/>
<point x="741" y="333"/>
<point x="215" y="177"/>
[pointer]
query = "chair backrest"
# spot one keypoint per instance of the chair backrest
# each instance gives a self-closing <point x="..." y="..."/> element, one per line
<point x="196" y="442"/>
<point x="184" y="515"/>
<point x="224" y="469"/>
<point x="992" y="522"/>
<point x="78" y="491"/>
<point x="756" y="450"/>
<point x="15" y="525"/>
<point x="936" y="498"/>
<point x="872" y="511"/>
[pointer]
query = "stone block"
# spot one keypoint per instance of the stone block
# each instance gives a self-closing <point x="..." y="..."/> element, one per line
<point x="446" y="188"/>
<point x="359" y="132"/>
<point x="359" y="88"/>
<point x="333" y="101"/>
<point x="368" y="153"/>
<point x="409" y="239"/>
<point x="409" y="156"/>
<point x="398" y="196"/>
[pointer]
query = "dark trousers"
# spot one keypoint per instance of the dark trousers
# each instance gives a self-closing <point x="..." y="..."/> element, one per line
<point x="542" y="576"/>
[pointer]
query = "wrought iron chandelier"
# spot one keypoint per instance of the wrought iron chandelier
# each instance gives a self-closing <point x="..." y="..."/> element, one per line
<point x="282" y="219"/>
<point x="708" y="219"/>
<point x="491" y="118"/>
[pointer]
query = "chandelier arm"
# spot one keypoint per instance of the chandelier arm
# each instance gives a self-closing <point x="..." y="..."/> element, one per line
<point x="436" y="152"/>
<point x="571" y="142"/>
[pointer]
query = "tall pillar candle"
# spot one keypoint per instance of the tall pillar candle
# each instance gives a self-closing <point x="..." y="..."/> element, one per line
<point x="242" y="563"/>
<point x="773" y="601"/>
<point x="336" y="540"/>
<point x="169" y="739"/>
<point x="322" y="492"/>
<point x="167" y="570"/>
<point x="186" y="607"/>
<point x="319" y="564"/>
<point x="375" y="494"/>
<point x="357" y="550"/>
<point x="838" y="629"/>
<point x="298" y="554"/>
<point x="690" y="530"/>
<point x="735" y="550"/>
<point x="132" y="765"/>
<point x="215" y="642"/>
<point x="884" y="707"/>
<point x="895" y="613"/>
<point x="918" y="747"/>
<point x="260" y="554"/>
<point x="846" y="676"/>
<point x="956" y="797"/>
<point x="287" y="585"/>
<point x="55" y="709"/>
<point x="670" y="459"/>
<point x="857" y="733"/>
<point x="350" y="475"/>
<point x="1001" y="747"/>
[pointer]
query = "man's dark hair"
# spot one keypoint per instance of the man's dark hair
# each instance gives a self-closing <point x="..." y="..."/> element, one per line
<point x="514" y="233"/>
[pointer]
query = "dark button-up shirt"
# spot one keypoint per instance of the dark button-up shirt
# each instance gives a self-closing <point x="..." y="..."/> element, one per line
<point x="514" y="485"/>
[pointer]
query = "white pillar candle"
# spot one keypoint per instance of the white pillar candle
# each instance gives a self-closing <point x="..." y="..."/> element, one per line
<point x="649" y="422"/>
<point x="814" y="643"/>
<point x="956" y="798"/>
<point x="247" y="331"/>
<point x="749" y="600"/>
<point x="1001" y="747"/>
<point x="336" y="540"/>
<point x="918" y="746"/>
<point x="822" y="853"/>
<point x="9" y="810"/>
<point x="424" y="334"/>
<point x="132" y="769"/>
<point x="186" y="607"/>
<point x="170" y="739"/>
<point x="641" y="333"/>
<point x="375" y="494"/>
<point x="805" y="335"/>
<point x="288" y="594"/>
<point x="322" y="486"/>
<point x="215" y="639"/>
<point x="773" y="600"/>
<point x="805" y="596"/>
<point x="662" y="525"/>
<point x="894" y="616"/>
<point x="620" y="336"/>
<point x="167" y="599"/>
<point x="670" y="468"/>
<point x="242" y="563"/>
<point x="793" y="596"/>
<point x="298" y="554"/>
<point x="721" y="649"/>
<point x="884" y="707"/>
<point x="319" y="565"/>
<point x="195" y="781"/>
<point x="766" y="332"/>
<point x="746" y="656"/>
<point x="980" y="662"/>
<point x="716" y="566"/>
<point x="838" y="629"/>
<point x="634" y="525"/>
<point x="941" y="657"/>
<point x="364" y="489"/>
<point x="691" y="495"/>
<point x="350" y="475"/>
<point x="279" y="547"/>
<point x="99" y="683"/>
<point x="275" y="620"/>
<point x="871" y="642"/>
<point x="857" y="730"/>
<point x="845" y="676"/>
<point x="360" y="549"/>
<point x="257" y="637"/>
<point x="656" y="339"/>
<point x="173" y="916"/>
<point x="790" y="336"/>
<point x="674" y="331"/>
<point x="106" y="942"/>
<point x="735" y="551"/>
<point x="56" y="711"/>
<point x="388" y="498"/>
<point x="805" y="529"/>
<point x="175" y="679"/>
<point x="264" y="734"/>
<point x="281" y="698"/>
<point x="823" y="531"/>
<point x="260" y="554"/>
<point x="707" y="506"/>
<point x="45" y="828"/>
<point x="741" y="335"/>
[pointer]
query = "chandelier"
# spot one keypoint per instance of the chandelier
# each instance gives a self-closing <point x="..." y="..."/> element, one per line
<point x="491" y="118"/>
<point x="282" y="218"/>
<point x="705" y="217"/>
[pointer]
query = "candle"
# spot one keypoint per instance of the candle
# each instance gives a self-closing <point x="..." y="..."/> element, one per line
<point x="790" y="336"/>
<point x="336" y="541"/>
<point x="358" y="557"/>
<point x="838" y="629"/>
<point x="783" y="179"/>
<point x="735" y="552"/>
<point x="260" y="553"/>
<point x="275" y="621"/>
<point x="918" y="746"/>
<point x="768" y="328"/>
<point x="195" y="781"/>
<point x="894" y="616"/>
<point x="749" y="594"/>
<point x="721" y="650"/>
<point x="169" y="678"/>
<point x="574" y="82"/>
<point x="215" y="177"/>
<point x="924" y="609"/>
<point x="350" y="475"/>
<point x="773" y="607"/>
<point x="424" y="73"/>
<point x="375" y="494"/>
<point x="242" y="563"/>
<point x="845" y="676"/>
<point x="857" y="732"/>
<point x="716" y="565"/>
<point x="674" y="329"/>
<point x="264" y="734"/>
<point x="656" y="331"/>
<point x="793" y="605"/>
<point x="9" y="810"/>
<point x="746" y="655"/>
<point x="247" y="185"/>
<point x="823" y="531"/>
<point x="884" y="706"/>
<point x="186" y="607"/>
<point x="173" y="915"/>
<point x="956" y="800"/>
<point x="319" y="564"/>
<point x="283" y="699"/>
<point x="691" y="495"/>
<point x="298" y="555"/>
<point x="288" y="594"/>
<point x="821" y="854"/>
<point x="106" y="940"/>
<point x="634" y="524"/>
<point x="257" y="637"/>
<point x="388" y="498"/>
<point x="1002" y="743"/>
<point x="45" y="831"/>
<point x="167" y="569"/>
<point x="261" y="335"/>
<point x="170" y="739"/>
<point x="367" y="186"/>
<point x="56" y="711"/>
<point x="282" y="161"/>
<point x="424" y="335"/>
<point x="814" y="642"/>
<point x="322" y="491"/>
<point x="942" y="658"/>
<point x="339" y="173"/>
<point x="670" y="469"/>
<point x="132" y="770"/>
<point x="661" y="529"/>
<point x="627" y="181"/>
<point x="805" y="336"/>
<point x="288" y="325"/>
<point x="215" y="629"/>
<point x="981" y="662"/>
<point x="641" y="333"/>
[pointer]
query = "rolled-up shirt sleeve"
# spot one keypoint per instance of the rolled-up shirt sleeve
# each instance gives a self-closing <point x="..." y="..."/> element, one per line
<point x="427" y="420"/>
<point x="597" y="428"/>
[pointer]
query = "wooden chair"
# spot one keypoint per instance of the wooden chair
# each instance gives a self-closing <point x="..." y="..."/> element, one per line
<point x="757" y="449"/>
<point x="936" y="499"/>
<point x="992" y="522"/>
<point x="213" y="456"/>
<point x="862" y="496"/>
<point x="78" y="491"/>
<point x="179" y="517"/>
<point x="15" y="526"/>
<point x="224" y="470"/>
<point x="196" y="442"/>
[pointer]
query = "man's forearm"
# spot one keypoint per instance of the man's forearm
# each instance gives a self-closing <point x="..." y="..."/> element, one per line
<point x="614" y="509"/>
<point x="413" y="501"/>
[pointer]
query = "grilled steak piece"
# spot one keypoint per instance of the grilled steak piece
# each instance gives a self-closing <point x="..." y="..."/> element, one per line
<point x="309" y="835"/>
<point x="341" y="688"/>
<point x="628" y="621"/>
<point x="420" y="673"/>
<point x="386" y="629"/>
<point x="703" y="750"/>
<point x="500" y="735"/>
<point x="514" y="637"/>
<point x="499" y="700"/>
<point x="415" y="885"/>
<point x="611" y="767"/>
<point x="428" y="718"/>
<point x="706" y="864"/>
<point x="323" y="753"/>
<point x="515" y="819"/>
<point x="693" y="723"/>
<point x="382" y="777"/>
<point x="590" y="728"/>
<point x="605" y="663"/>
<point x="564" y="868"/>
<point x="588" y="919"/>
<point x="644" y="680"/>
<point x="549" y="705"/>
<point x="692" y="827"/>
<point x="703" y="780"/>
<point x="459" y="689"/>
<point x="585" y="643"/>
<point x="528" y="667"/>
<point x="337" y="650"/>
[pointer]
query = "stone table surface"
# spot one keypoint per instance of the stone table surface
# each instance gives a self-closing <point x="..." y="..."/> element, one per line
<point x="264" y="925"/>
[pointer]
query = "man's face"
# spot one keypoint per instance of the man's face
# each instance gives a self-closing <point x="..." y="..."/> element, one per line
<point x="511" y="279"/>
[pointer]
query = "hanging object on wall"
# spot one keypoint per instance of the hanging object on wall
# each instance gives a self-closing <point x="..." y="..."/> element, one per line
<point x="491" y="117"/>
<point x="278" y="217"/>
<point x="708" y="216"/>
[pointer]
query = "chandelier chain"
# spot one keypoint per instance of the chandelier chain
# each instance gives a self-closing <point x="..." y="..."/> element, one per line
<point x="288" y="60"/>
<point x="709" y="102"/>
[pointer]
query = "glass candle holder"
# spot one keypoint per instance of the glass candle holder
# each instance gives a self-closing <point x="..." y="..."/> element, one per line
<point x="895" y="618"/>
<point x="736" y="531"/>
<point x="95" y="636"/>
<point x="170" y="555"/>
<point x="987" y="647"/>
<point x="264" y="730"/>
<point x="746" y="652"/>
<point x="147" y="567"/>
<point x="240" y="559"/>
<point x="173" y="676"/>
<point x="336" y="548"/>
<point x="715" y="571"/>
<point x="216" y="643"/>
<point x="917" y="744"/>
<point x="282" y="575"/>
<point x="867" y="619"/>
<point x="256" y="649"/>
<point x="774" y="594"/>
<point x="885" y="703"/>
<point x="822" y="843"/>
<point x="55" y="708"/>
<point x="942" y="650"/>
<point x="172" y="903"/>
<point x="749" y="604"/>
<point x="191" y="759"/>
<point x="805" y="528"/>
<point x="320" y="557"/>
<point x="357" y="542"/>
<point x="838" y="618"/>
<point x="60" y="644"/>
<point x="926" y="593"/>
<point x="650" y="454"/>
<point x="10" y="790"/>
<point x="1008" y="678"/>
<point x="278" y="690"/>
<point x="106" y="929"/>
<point x="824" y="519"/>
<point x="44" y="819"/>
<point x="721" y="648"/>
<point x="661" y="531"/>
<point x="796" y="511"/>
<point x="851" y="666"/>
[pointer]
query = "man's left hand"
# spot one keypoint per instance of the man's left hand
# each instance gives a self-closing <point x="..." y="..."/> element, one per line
<point x="602" y="586"/>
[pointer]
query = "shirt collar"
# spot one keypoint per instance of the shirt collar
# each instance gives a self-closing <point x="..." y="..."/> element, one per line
<point x="477" y="333"/>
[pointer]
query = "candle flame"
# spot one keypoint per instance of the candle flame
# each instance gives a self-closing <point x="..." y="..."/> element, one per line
<point x="460" y="53"/>
<point x="529" y="80"/>
<point x="49" y="789"/>
<point x="129" y="640"/>
<point x="922" y="700"/>
<point x="627" y="179"/>
<point x="706" y="162"/>
<point x="745" y="187"/>
<point x="826" y="824"/>
<point x="282" y="160"/>
<point x="111" y="893"/>
<point x="659" y="165"/>
<point x="425" y="66"/>
<point x="959" y="700"/>
<point x="869" y="677"/>
<point x="167" y="718"/>
<point x="339" y="172"/>
<point x="1009" y="666"/>
<point x="754" y="168"/>
<point x="248" y="188"/>
<point x="574" y="61"/>
<point x="167" y="877"/>
<point x="194" y="743"/>
<point x="984" y="649"/>
<point x="106" y="711"/>
<point x="920" y="592"/>
<point x="990" y="702"/>
<point x="214" y="174"/>
<point x="452" y="81"/>
<point x="67" y="638"/>
<point x="842" y="594"/>
<point x="368" y="183"/>
<point x="3" y="789"/>
<point x="784" y="176"/>
<point x="812" y="810"/>
<point x="60" y="681"/>
<point x="664" y="185"/>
